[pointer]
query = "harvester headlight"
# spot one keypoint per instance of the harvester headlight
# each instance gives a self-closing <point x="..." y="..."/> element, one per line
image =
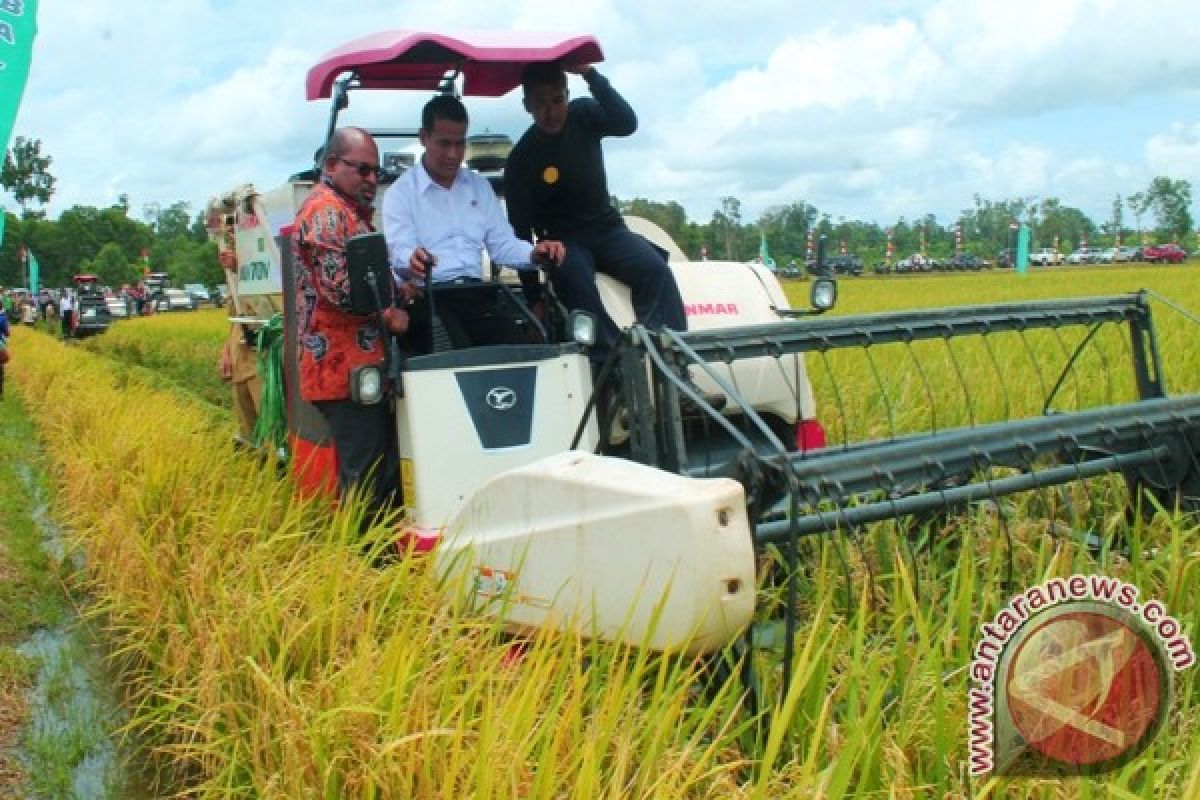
<point x="583" y="328"/>
<point x="366" y="385"/>
<point x="824" y="294"/>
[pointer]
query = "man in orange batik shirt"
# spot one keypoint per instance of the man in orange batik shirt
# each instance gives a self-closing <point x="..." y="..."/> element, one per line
<point x="334" y="341"/>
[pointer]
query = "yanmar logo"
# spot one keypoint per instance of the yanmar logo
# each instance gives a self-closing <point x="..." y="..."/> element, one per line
<point x="710" y="309"/>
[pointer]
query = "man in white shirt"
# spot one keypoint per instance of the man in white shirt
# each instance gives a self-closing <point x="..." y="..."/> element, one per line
<point x="442" y="216"/>
<point x="66" y="310"/>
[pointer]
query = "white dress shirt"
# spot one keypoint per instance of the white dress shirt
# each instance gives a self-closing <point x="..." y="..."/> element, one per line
<point x="454" y="224"/>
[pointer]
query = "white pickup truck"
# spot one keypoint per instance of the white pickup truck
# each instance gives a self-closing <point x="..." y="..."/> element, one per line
<point x="1084" y="255"/>
<point x="1045" y="257"/>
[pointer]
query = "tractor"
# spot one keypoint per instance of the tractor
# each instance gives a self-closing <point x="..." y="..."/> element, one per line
<point x="650" y="527"/>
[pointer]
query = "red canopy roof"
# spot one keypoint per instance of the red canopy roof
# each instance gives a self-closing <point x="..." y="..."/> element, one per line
<point x="491" y="61"/>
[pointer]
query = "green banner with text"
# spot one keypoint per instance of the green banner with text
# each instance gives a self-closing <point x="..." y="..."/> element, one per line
<point x="18" y="27"/>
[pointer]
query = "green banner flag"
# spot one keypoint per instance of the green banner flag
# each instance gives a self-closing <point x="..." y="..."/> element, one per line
<point x="3" y="216"/>
<point x="18" y="26"/>
<point x="35" y="272"/>
<point x="763" y="256"/>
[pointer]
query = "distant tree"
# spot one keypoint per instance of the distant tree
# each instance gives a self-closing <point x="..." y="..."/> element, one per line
<point x="1069" y="224"/>
<point x="787" y="229"/>
<point x="48" y="241"/>
<point x="669" y="216"/>
<point x="693" y="239"/>
<point x="112" y="267"/>
<point x="26" y="174"/>
<point x="174" y="221"/>
<point x="10" y="261"/>
<point x="196" y="262"/>
<point x="1137" y="205"/>
<point x="989" y="223"/>
<point x="88" y="229"/>
<point x="1169" y="200"/>
<point x="726" y="226"/>
<point x="187" y="261"/>
<point x="1116" y="220"/>
<point x="199" y="231"/>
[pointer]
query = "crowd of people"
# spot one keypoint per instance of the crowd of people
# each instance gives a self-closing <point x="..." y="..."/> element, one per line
<point x="50" y="306"/>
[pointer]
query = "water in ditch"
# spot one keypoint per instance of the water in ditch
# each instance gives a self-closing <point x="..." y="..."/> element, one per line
<point x="70" y="748"/>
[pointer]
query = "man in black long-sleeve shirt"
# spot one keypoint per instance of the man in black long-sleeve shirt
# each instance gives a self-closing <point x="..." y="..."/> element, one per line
<point x="556" y="188"/>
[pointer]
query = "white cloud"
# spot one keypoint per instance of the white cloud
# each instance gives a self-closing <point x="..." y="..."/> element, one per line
<point x="873" y="110"/>
<point x="1176" y="152"/>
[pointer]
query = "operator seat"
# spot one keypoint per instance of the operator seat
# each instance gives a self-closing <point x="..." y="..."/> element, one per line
<point x="471" y="314"/>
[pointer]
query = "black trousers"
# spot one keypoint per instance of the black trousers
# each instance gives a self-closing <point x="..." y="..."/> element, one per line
<point x="364" y="438"/>
<point x="633" y="261"/>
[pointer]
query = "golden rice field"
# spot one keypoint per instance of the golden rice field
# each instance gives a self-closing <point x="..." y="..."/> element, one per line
<point x="262" y="656"/>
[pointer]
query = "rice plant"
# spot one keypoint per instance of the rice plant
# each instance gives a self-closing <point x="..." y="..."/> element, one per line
<point x="262" y="656"/>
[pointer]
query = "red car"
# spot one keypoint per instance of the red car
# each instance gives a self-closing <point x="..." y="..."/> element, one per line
<point x="1165" y="253"/>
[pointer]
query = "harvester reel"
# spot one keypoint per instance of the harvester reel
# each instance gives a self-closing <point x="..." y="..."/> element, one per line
<point x="1174" y="482"/>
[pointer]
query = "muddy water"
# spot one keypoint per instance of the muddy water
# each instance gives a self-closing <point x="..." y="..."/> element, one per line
<point x="70" y="748"/>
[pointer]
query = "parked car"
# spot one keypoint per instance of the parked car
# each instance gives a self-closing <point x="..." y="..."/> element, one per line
<point x="790" y="271"/>
<point x="914" y="263"/>
<point x="843" y="265"/>
<point x="1045" y="257"/>
<point x="171" y="299"/>
<point x="1084" y="255"/>
<point x="1107" y="256"/>
<point x="1128" y="253"/>
<point x="117" y="305"/>
<point x="1165" y="254"/>
<point x="961" y="261"/>
<point x="197" y="290"/>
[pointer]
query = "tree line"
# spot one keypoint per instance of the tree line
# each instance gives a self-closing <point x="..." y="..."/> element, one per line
<point x="1159" y="213"/>
<point x="119" y="248"/>
<point x="107" y="242"/>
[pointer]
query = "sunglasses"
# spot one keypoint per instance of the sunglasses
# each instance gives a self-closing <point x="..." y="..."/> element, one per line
<point x="364" y="169"/>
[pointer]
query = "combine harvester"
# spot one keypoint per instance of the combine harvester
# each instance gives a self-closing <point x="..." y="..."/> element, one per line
<point x="649" y="526"/>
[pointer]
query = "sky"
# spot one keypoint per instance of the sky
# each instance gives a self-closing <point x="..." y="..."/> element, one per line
<point x="871" y="110"/>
